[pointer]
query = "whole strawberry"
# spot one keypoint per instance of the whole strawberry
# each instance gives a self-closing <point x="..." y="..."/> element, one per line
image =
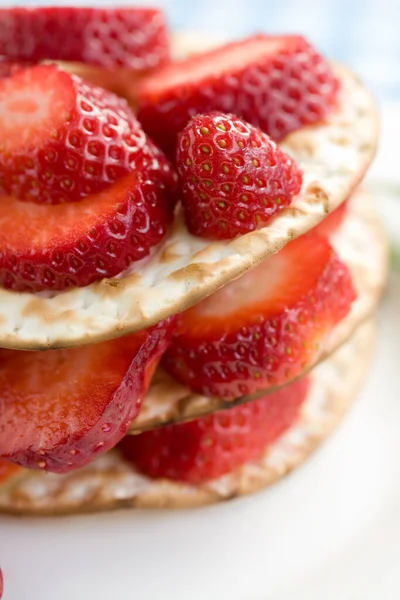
<point x="233" y="178"/>
<point x="55" y="247"/>
<point x="62" y="139"/>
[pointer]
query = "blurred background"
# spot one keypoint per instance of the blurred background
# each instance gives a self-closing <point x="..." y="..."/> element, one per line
<point x="363" y="33"/>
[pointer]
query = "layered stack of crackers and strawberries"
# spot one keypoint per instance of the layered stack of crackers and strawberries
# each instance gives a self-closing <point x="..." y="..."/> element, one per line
<point x="189" y="264"/>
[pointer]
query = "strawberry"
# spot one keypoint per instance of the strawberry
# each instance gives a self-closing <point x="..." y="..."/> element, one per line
<point x="121" y="82"/>
<point x="8" y="68"/>
<point x="5" y="68"/>
<point x="233" y="178"/>
<point x="212" y="446"/>
<point x="1" y="584"/>
<point x="60" y="408"/>
<point x="135" y="38"/>
<point x="62" y="138"/>
<point x="54" y="247"/>
<point x="265" y="328"/>
<point x="331" y="223"/>
<point x="278" y="83"/>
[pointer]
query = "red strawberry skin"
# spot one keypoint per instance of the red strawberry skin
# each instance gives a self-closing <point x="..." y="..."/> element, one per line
<point x="266" y="327"/>
<point x="74" y="244"/>
<point x="135" y="38"/>
<point x="59" y="409"/>
<point x="212" y="446"/>
<point x="62" y="138"/>
<point x="233" y="178"/>
<point x="277" y="83"/>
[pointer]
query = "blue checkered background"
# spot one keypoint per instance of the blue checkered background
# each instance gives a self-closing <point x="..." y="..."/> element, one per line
<point x="363" y="33"/>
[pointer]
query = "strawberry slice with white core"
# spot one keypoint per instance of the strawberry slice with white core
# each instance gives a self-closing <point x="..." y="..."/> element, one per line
<point x="50" y="100"/>
<point x="266" y="327"/>
<point x="277" y="83"/>
<point x="59" y="409"/>
<point x="62" y="138"/>
<point x="67" y="245"/>
<point x="207" y="448"/>
<point x="134" y="37"/>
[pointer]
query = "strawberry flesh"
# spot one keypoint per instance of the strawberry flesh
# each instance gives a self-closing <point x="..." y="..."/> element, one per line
<point x="277" y="83"/>
<point x="266" y="327"/>
<point x="135" y="38"/>
<point x="56" y="247"/>
<point x="233" y="178"/>
<point x="328" y="226"/>
<point x="212" y="446"/>
<point x="60" y="408"/>
<point x="62" y="138"/>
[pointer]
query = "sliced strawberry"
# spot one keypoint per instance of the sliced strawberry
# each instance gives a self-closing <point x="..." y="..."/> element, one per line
<point x="233" y="178"/>
<point x="8" y="68"/>
<point x="62" y="138"/>
<point x="331" y="223"/>
<point x="61" y="408"/>
<point x="278" y="83"/>
<point x="265" y="328"/>
<point x="73" y="244"/>
<point x="212" y="446"/>
<point x="135" y="37"/>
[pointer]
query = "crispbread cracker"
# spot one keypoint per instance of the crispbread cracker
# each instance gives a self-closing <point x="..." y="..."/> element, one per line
<point x="110" y="483"/>
<point x="361" y="244"/>
<point x="333" y="156"/>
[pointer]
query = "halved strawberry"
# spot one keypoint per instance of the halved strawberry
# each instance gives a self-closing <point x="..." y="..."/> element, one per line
<point x="62" y="139"/>
<point x="111" y="37"/>
<point x="265" y="328"/>
<point x="278" y="83"/>
<point x="212" y="446"/>
<point x="233" y="178"/>
<point x="73" y="244"/>
<point x="60" y="408"/>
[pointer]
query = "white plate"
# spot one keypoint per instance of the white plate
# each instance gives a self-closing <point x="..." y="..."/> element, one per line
<point x="331" y="530"/>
